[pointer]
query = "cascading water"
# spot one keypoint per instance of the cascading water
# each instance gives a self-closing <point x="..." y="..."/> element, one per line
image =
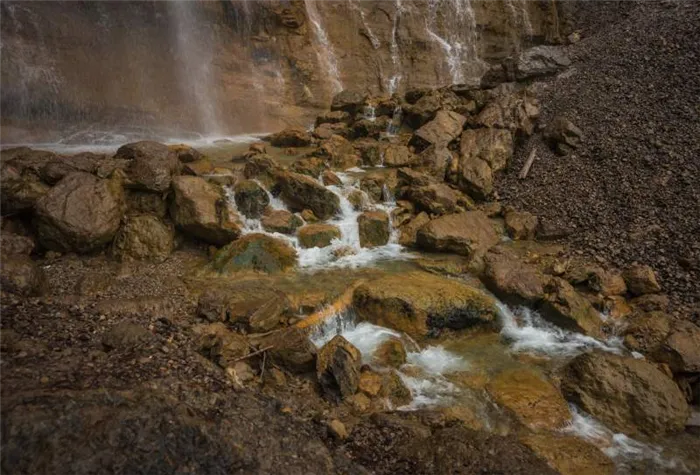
<point x="324" y="49"/>
<point x="452" y="24"/>
<point x="376" y="44"/>
<point x="395" y="80"/>
<point x="195" y="58"/>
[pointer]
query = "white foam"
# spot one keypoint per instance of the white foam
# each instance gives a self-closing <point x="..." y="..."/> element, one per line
<point x="532" y="333"/>
<point x="436" y="360"/>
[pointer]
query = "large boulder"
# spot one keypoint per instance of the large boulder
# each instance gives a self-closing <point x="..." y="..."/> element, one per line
<point x="146" y="202"/>
<point x="20" y="275"/>
<point x="257" y="252"/>
<point x="641" y="280"/>
<point x="516" y="111"/>
<point x="408" y="232"/>
<point x="521" y="224"/>
<point x="57" y="168"/>
<point x="291" y="137"/>
<point x="242" y="302"/>
<point x="221" y="345"/>
<point x="512" y="279"/>
<point x="338" y="152"/>
<point x="19" y="192"/>
<point x="399" y="156"/>
<point x="16" y="244"/>
<point x="541" y="61"/>
<point x="152" y="165"/>
<point x="374" y="228"/>
<point x="291" y="349"/>
<point x="301" y="192"/>
<point x="443" y="129"/>
<point x="628" y="395"/>
<point x="468" y="234"/>
<point x="338" y="368"/>
<point x="348" y="101"/>
<point x="568" y="309"/>
<point x="251" y="198"/>
<point x="81" y="213"/>
<point x="435" y="161"/>
<point x="317" y="235"/>
<point x="144" y="237"/>
<point x="185" y="153"/>
<point x="681" y="349"/>
<point x="534" y="401"/>
<point x="200" y="209"/>
<point x="438" y="199"/>
<point x="334" y="117"/>
<point x="310" y="166"/>
<point x="280" y="221"/>
<point x="645" y="332"/>
<point x="569" y="455"/>
<point x="417" y="302"/>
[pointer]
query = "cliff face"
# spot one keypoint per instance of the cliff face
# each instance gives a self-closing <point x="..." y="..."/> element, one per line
<point x="230" y="67"/>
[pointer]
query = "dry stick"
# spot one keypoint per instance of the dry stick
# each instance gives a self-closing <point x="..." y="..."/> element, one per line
<point x="262" y="371"/>
<point x="261" y="350"/>
<point x="528" y="164"/>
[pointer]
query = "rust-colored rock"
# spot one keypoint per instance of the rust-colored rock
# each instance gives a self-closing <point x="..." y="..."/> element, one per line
<point x="467" y="234"/>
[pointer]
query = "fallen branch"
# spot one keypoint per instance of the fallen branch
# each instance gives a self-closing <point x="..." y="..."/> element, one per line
<point x="528" y="164"/>
<point x="261" y="350"/>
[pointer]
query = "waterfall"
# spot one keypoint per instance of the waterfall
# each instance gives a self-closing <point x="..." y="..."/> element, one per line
<point x="370" y="34"/>
<point x="195" y="59"/>
<point x="395" y="80"/>
<point x="324" y="49"/>
<point x="520" y="17"/>
<point x="452" y="24"/>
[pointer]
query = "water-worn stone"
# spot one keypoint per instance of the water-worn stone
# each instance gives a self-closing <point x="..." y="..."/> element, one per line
<point x="291" y="137"/>
<point x="258" y="252"/>
<point x="81" y="213"/>
<point x="198" y="168"/>
<point x="641" y="280"/>
<point x="512" y="279"/>
<point x="438" y="199"/>
<point x="521" y="224"/>
<point x="251" y="198"/>
<point x="146" y="202"/>
<point x="390" y="353"/>
<point x="235" y="302"/>
<point x="399" y="156"/>
<point x="338" y="368"/>
<point x="338" y="152"/>
<point x="329" y="178"/>
<point x="568" y="309"/>
<point x="333" y="117"/>
<point x="185" y="153"/>
<point x="280" y="221"/>
<point x="645" y="332"/>
<point x="309" y="166"/>
<point x="317" y="235"/>
<point x="541" y="61"/>
<point x="291" y="349"/>
<point x="200" y="209"/>
<point x="56" y="169"/>
<point x="628" y="395"/>
<point x="443" y="129"/>
<point x="570" y="455"/>
<point x="681" y="350"/>
<point x="348" y="101"/>
<point x="20" y="275"/>
<point x="408" y="232"/>
<point x="534" y="401"/>
<point x="19" y="192"/>
<point x="152" y="165"/>
<point x="221" y="345"/>
<point x="374" y="228"/>
<point x="301" y="192"/>
<point x="468" y="234"/>
<point x="144" y="237"/>
<point x="417" y="302"/>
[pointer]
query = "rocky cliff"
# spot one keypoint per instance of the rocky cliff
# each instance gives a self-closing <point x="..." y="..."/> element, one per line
<point x="225" y="67"/>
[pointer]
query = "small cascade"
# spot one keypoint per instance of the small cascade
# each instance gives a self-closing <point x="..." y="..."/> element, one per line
<point x="369" y="113"/>
<point x="452" y="24"/>
<point x="376" y="44"/>
<point x="394" y="81"/>
<point x="394" y="125"/>
<point x="324" y="49"/>
<point x="195" y="58"/>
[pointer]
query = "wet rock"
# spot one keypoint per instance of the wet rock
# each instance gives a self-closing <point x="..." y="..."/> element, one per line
<point x="358" y="199"/>
<point x="628" y="395"/>
<point x="338" y="152"/>
<point x="125" y="336"/>
<point x="641" y="280"/>
<point x="370" y="151"/>
<point x="338" y="368"/>
<point x="512" y="279"/>
<point x="317" y="235"/>
<point x="333" y="117"/>
<point x="436" y="161"/>
<point x="570" y="455"/>
<point x="386" y="385"/>
<point x="145" y="202"/>
<point x="438" y="199"/>
<point x="568" y="309"/>
<point x="222" y="346"/>
<point x="291" y="137"/>
<point x="408" y="232"/>
<point x="56" y="169"/>
<point x="310" y="166"/>
<point x="198" y="168"/>
<point x="533" y="400"/>
<point x="185" y="153"/>
<point x="348" y="101"/>
<point x="300" y="192"/>
<point x="562" y="135"/>
<point x="374" y="228"/>
<point x="19" y="192"/>
<point x="144" y="237"/>
<point x="200" y="209"/>
<point x="681" y="350"/>
<point x="645" y="332"/>
<point x="260" y="166"/>
<point x="281" y="221"/>
<point x="329" y="178"/>
<point x="258" y="252"/>
<point x="152" y="165"/>
<point x="443" y="129"/>
<point x="16" y="244"/>
<point x="291" y="349"/>
<point x="82" y="213"/>
<point x="482" y="153"/>
<point x="417" y="302"/>
<point x="371" y="127"/>
<point x="399" y="156"/>
<point x="326" y="131"/>
<point x="20" y="275"/>
<point x="650" y="302"/>
<point x="391" y="353"/>
<point x="468" y="234"/>
<point x="408" y="177"/>
<point x="607" y="283"/>
<point x="541" y="61"/>
<point x="251" y="198"/>
<point x="269" y="315"/>
<point x="521" y="225"/>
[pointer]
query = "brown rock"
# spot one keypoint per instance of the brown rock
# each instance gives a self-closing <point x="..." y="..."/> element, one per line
<point x="326" y="131"/>
<point x="15" y="244"/>
<point x="409" y="231"/>
<point x="185" y="153"/>
<point x="300" y="192"/>
<point x="337" y="429"/>
<point x="291" y="349"/>
<point x="221" y="345"/>
<point x="438" y="199"/>
<point x="309" y="166"/>
<point x="391" y="353"/>
<point x="521" y="224"/>
<point x="399" y="156"/>
<point x="607" y="283"/>
<point x="628" y="395"/>
<point x="681" y="350"/>
<point x="330" y="178"/>
<point x="19" y="192"/>
<point x="443" y="129"/>
<point x="251" y="198"/>
<point x="651" y="302"/>
<point x="82" y="213"/>
<point x="512" y="279"/>
<point x="645" y="332"/>
<point x="570" y="455"/>
<point x="198" y="168"/>
<point x="641" y="280"/>
<point x="563" y="135"/>
<point x="533" y="400"/>
<point x="20" y="275"/>
<point x="146" y="202"/>
<point x="291" y="137"/>
<point x="152" y="165"/>
<point x="144" y="237"/>
<point x="338" y="368"/>
<point x="317" y="235"/>
<point x="200" y="209"/>
<point x="258" y="252"/>
<point x="418" y="301"/>
<point x="468" y="234"/>
<point x="494" y="146"/>
<point x="281" y="221"/>
<point x="125" y="335"/>
<point x="568" y="309"/>
<point x="348" y="101"/>
<point x="333" y="117"/>
<point x="374" y="228"/>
